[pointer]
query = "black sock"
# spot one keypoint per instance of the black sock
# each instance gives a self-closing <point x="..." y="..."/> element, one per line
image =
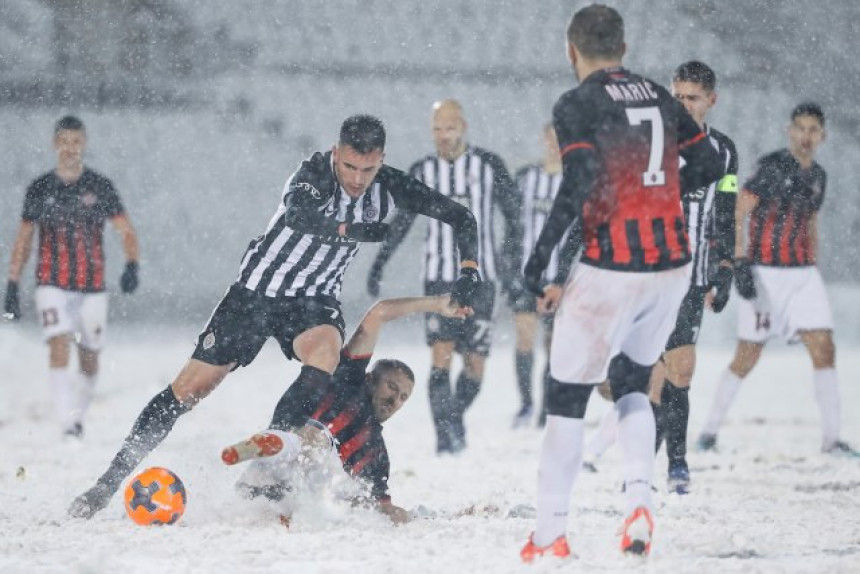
<point x="676" y="407"/>
<point x="659" y="425"/>
<point x="467" y="390"/>
<point x="300" y="399"/>
<point x="439" y="390"/>
<point x="151" y="427"/>
<point x="544" y="396"/>
<point x="524" y="362"/>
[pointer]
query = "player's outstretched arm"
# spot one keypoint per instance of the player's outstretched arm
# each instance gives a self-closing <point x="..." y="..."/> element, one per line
<point x="399" y="227"/>
<point x="412" y="195"/>
<point x="20" y="255"/>
<point x="363" y="340"/>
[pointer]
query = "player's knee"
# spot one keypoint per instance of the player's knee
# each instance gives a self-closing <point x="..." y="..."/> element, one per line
<point x="823" y="353"/>
<point x="626" y="377"/>
<point x="566" y="399"/>
<point x="746" y="357"/>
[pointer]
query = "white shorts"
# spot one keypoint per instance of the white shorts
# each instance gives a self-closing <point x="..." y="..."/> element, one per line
<point x="603" y="313"/>
<point x="63" y="312"/>
<point x="788" y="300"/>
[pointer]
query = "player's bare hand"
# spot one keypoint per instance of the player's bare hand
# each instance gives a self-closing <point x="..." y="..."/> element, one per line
<point x="449" y="309"/>
<point x="395" y="513"/>
<point x="314" y="436"/>
<point x="550" y="300"/>
<point x="709" y="299"/>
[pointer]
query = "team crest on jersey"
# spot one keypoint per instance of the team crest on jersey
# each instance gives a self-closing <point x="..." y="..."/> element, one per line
<point x="369" y="214"/>
<point x="208" y="341"/>
<point x="89" y="199"/>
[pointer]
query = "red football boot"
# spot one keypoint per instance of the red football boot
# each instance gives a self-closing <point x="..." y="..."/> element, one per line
<point x="258" y="446"/>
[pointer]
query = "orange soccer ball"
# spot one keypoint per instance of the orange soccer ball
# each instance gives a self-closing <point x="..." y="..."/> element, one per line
<point x="155" y="496"/>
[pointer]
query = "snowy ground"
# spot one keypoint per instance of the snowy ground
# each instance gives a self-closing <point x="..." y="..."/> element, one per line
<point x="768" y="503"/>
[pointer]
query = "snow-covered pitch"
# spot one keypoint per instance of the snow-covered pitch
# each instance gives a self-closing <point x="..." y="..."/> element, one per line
<point x="768" y="502"/>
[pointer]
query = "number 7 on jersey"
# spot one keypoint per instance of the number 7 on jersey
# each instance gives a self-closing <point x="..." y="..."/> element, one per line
<point x="654" y="176"/>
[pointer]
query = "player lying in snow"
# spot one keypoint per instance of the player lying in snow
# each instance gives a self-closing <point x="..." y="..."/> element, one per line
<point x="351" y="413"/>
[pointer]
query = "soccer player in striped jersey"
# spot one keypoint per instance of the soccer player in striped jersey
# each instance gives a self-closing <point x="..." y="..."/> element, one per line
<point x="621" y="138"/>
<point x="538" y="185"/>
<point x="479" y="180"/>
<point x="710" y="216"/>
<point x="70" y="205"/>
<point x="352" y="411"/>
<point x="290" y="280"/>
<point x="782" y="292"/>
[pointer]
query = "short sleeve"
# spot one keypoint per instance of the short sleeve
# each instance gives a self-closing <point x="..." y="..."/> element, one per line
<point x="351" y="370"/>
<point x="819" y="197"/>
<point x="33" y="204"/>
<point x="763" y="180"/>
<point x="112" y="203"/>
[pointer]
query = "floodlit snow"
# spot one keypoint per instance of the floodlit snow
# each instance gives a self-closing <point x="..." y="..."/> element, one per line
<point x="769" y="502"/>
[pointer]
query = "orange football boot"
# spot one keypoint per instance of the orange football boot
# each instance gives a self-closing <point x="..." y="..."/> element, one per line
<point x="637" y="532"/>
<point x="559" y="548"/>
<point x="258" y="446"/>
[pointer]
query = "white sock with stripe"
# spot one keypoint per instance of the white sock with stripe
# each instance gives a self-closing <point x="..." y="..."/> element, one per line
<point x="560" y="460"/>
<point x="636" y="436"/>
<point x="827" y="396"/>
<point x="727" y="390"/>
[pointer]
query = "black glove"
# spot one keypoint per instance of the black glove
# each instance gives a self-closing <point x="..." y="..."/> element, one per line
<point x="12" y="306"/>
<point x="532" y="275"/>
<point x="465" y="287"/>
<point x="373" y="280"/>
<point x="366" y="232"/>
<point x="129" y="281"/>
<point x="744" y="280"/>
<point x="723" y="284"/>
<point x="514" y="290"/>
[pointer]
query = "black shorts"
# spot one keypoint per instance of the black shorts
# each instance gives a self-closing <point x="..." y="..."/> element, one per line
<point x="689" y="319"/>
<point x="244" y="319"/>
<point x="471" y="335"/>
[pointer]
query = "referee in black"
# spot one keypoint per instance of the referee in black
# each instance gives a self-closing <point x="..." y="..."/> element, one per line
<point x="290" y="281"/>
<point x="478" y="179"/>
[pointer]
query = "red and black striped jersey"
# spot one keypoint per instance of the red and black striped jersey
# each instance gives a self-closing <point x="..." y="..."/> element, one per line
<point x="788" y="197"/>
<point x="346" y="409"/>
<point x="631" y="133"/>
<point x="71" y="219"/>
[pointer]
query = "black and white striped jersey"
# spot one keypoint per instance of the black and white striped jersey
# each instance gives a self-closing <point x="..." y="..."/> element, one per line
<point x="301" y="252"/>
<point x="479" y="180"/>
<point x="538" y="189"/>
<point x="709" y="211"/>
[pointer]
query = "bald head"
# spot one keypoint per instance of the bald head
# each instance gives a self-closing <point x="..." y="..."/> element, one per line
<point x="449" y="129"/>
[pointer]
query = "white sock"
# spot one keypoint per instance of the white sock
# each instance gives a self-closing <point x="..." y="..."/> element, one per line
<point x="604" y="436"/>
<point x="636" y="435"/>
<point x="727" y="389"/>
<point x="65" y="397"/>
<point x="560" y="459"/>
<point x="85" y="391"/>
<point x="827" y="395"/>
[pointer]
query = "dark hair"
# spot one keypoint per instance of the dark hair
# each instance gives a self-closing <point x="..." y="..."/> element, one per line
<point x="808" y="109"/>
<point x="697" y="73"/>
<point x="68" y="123"/>
<point x="597" y="31"/>
<point x="363" y="133"/>
<point x="390" y="364"/>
